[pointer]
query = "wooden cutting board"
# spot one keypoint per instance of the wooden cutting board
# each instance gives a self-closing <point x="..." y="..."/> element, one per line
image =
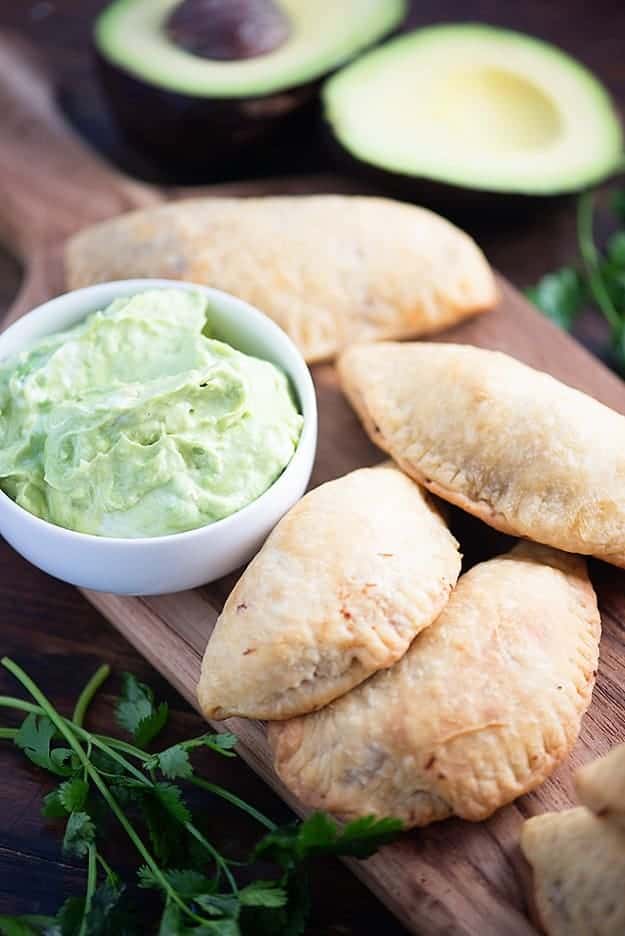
<point x="453" y="878"/>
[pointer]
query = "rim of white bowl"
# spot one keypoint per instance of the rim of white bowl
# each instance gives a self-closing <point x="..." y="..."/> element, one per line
<point x="300" y="379"/>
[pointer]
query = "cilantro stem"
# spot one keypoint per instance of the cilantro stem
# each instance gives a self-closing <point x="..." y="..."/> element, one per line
<point x="112" y="746"/>
<point x="105" y="867"/>
<point x="99" y="741"/>
<point x="102" y="743"/>
<point x="124" y="746"/>
<point x="62" y="726"/>
<point x="20" y="704"/>
<point x="218" y="859"/>
<point x="91" y="885"/>
<point x="590" y="256"/>
<point x="86" y="696"/>
<point x="232" y="798"/>
<point x="133" y="751"/>
<point x="8" y="732"/>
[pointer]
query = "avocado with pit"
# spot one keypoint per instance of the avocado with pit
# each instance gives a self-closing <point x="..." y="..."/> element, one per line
<point x="200" y="82"/>
<point x="468" y="108"/>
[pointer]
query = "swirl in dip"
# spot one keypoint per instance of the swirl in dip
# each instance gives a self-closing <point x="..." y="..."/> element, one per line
<point x="137" y="423"/>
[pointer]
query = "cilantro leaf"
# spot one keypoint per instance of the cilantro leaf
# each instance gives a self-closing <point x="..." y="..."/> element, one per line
<point x="224" y="927"/>
<point x="173" y="924"/>
<point x="34" y="739"/>
<point x="279" y="846"/>
<point x="171" y="921"/>
<point x="106" y="764"/>
<point x="191" y="883"/>
<point x="69" y="917"/>
<point x="222" y="742"/>
<point x="28" y="925"/>
<point x="107" y="915"/>
<point x="560" y="296"/>
<point x="613" y="279"/>
<point x="319" y="835"/>
<point x="146" y="879"/>
<point x="263" y="894"/>
<point x="151" y="725"/>
<point x="79" y="834"/>
<point x="73" y="794"/>
<point x="267" y="908"/>
<point x="616" y="249"/>
<point x="164" y="811"/>
<point x="105" y="899"/>
<point x="187" y="881"/>
<point x="362" y="837"/>
<point x="137" y="712"/>
<point x="295" y="914"/>
<point x="224" y="905"/>
<point x="170" y="797"/>
<point x="64" y="760"/>
<point x="174" y="762"/>
<point x="70" y="796"/>
<point x="618" y="204"/>
<point x="52" y="807"/>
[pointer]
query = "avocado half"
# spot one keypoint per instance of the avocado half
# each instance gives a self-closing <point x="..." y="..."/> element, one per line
<point x="470" y="108"/>
<point x="199" y="82"/>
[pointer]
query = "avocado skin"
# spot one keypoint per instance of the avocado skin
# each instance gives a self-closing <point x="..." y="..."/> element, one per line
<point x="214" y="135"/>
<point x="471" y="208"/>
<point x="204" y="137"/>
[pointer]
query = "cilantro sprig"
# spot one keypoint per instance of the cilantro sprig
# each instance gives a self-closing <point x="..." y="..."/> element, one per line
<point x="598" y="279"/>
<point x="100" y="776"/>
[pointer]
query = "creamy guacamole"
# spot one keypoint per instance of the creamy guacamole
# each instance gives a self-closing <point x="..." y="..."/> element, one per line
<point x="137" y="423"/>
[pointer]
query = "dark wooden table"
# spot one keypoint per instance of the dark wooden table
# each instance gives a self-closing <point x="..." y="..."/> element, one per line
<point x="58" y="637"/>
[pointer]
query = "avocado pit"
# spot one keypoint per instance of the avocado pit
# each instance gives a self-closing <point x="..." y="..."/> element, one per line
<point x="228" y="30"/>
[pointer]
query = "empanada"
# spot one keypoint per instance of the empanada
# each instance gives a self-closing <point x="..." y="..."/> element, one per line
<point x="483" y="706"/>
<point x="343" y="584"/>
<point x="600" y="786"/>
<point x="329" y="269"/>
<point x="517" y="448"/>
<point x="578" y="864"/>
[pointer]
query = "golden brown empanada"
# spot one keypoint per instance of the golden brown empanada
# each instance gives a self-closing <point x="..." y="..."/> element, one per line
<point x="522" y="451"/>
<point x="483" y="706"/>
<point x="329" y="269"/>
<point x="600" y="786"/>
<point x="578" y="864"/>
<point x="343" y="584"/>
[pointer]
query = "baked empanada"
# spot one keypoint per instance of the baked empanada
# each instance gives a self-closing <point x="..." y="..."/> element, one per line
<point x="329" y="269"/>
<point x="343" y="584"/>
<point x="578" y="864"/>
<point x="483" y="706"/>
<point x="517" y="448"/>
<point x="600" y="786"/>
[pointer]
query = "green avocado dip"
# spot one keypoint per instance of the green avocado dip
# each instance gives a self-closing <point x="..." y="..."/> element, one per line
<point x="137" y="423"/>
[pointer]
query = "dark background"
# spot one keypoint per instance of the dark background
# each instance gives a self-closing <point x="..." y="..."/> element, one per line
<point x="56" y="635"/>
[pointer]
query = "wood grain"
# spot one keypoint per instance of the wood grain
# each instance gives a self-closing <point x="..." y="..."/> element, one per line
<point x="452" y="878"/>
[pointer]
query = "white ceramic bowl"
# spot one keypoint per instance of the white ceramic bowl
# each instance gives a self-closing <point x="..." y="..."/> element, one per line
<point x="154" y="565"/>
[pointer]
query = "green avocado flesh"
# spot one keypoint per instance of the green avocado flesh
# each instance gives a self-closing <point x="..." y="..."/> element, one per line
<point x="323" y="35"/>
<point x="478" y="107"/>
<point x="135" y="423"/>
